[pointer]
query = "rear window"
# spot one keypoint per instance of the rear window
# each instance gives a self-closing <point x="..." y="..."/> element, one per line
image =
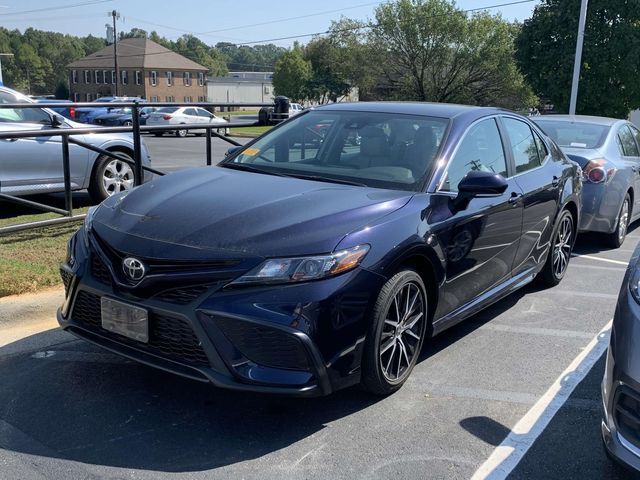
<point x="167" y="109"/>
<point x="575" y="134"/>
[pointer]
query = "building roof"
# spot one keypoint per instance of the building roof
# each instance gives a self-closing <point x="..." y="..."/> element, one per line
<point x="243" y="77"/>
<point x="140" y="53"/>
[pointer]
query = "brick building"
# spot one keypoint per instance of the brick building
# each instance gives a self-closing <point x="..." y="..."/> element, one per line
<point x="146" y="69"/>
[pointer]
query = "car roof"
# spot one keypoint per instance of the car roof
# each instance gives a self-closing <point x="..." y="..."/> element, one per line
<point x="606" y="121"/>
<point x="444" y="110"/>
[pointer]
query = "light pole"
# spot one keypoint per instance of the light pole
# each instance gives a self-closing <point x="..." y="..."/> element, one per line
<point x="115" y="15"/>
<point x="578" y="59"/>
<point x="3" y="55"/>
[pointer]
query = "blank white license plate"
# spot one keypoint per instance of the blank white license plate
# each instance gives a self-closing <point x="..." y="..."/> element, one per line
<point x="124" y="319"/>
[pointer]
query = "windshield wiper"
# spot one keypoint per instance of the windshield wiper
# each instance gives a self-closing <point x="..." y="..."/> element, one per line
<point x="248" y="168"/>
<point x="326" y="179"/>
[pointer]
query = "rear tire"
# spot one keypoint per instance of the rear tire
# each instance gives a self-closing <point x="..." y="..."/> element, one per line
<point x="616" y="239"/>
<point x="110" y="176"/>
<point x="396" y="334"/>
<point x="181" y="133"/>
<point x="559" y="255"/>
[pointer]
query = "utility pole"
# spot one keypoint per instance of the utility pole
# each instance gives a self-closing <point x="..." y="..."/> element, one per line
<point x="115" y="15"/>
<point x="3" y="55"/>
<point x="578" y="59"/>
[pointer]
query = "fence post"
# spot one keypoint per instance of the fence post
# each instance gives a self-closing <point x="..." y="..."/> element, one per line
<point x="208" y="147"/>
<point x="68" y="198"/>
<point x="137" y="150"/>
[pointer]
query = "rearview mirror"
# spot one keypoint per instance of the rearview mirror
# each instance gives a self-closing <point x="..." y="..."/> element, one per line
<point x="477" y="183"/>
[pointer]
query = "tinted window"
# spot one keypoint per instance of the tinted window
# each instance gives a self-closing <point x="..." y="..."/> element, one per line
<point x="542" y="149"/>
<point x="636" y="134"/>
<point x="523" y="145"/>
<point x="385" y="150"/>
<point x="574" y="134"/>
<point x="190" y="111"/>
<point x="480" y="150"/>
<point x="204" y="113"/>
<point x="627" y="143"/>
<point x="167" y="109"/>
<point x="21" y="115"/>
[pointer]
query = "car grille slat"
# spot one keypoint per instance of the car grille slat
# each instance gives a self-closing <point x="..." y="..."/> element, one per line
<point x="67" y="278"/>
<point x="627" y="415"/>
<point x="263" y="345"/>
<point x="99" y="270"/>
<point x="182" y="295"/>
<point x="169" y="336"/>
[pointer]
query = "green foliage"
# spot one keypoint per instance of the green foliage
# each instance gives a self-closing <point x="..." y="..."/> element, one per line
<point x="292" y="74"/>
<point x="258" y="58"/>
<point x="609" y="84"/>
<point x="432" y="51"/>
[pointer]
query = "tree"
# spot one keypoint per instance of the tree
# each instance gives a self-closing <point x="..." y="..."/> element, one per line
<point x="62" y="91"/>
<point x="609" y="84"/>
<point x="434" y="52"/>
<point x="292" y="74"/>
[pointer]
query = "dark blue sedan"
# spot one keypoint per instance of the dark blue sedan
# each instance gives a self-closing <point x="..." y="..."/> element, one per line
<point x="305" y="263"/>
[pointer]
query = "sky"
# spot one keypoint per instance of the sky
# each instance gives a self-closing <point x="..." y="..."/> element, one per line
<point x="211" y="20"/>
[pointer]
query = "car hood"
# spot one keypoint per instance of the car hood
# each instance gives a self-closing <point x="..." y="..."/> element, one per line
<point x="221" y="210"/>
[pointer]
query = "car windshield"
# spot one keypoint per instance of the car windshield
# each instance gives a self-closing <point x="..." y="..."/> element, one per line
<point x="575" y="134"/>
<point x="167" y="109"/>
<point x="382" y="150"/>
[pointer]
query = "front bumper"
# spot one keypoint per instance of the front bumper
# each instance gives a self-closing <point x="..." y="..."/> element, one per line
<point x="302" y="340"/>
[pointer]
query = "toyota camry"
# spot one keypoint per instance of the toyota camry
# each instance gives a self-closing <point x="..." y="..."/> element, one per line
<point x="305" y="263"/>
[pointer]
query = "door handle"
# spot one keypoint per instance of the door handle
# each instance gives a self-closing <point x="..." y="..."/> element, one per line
<point x="515" y="198"/>
<point x="555" y="182"/>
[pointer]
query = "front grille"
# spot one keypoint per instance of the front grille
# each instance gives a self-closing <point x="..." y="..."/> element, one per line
<point x="182" y="295"/>
<point x="264" y="345"/>
<point x="627" y="415"/>
<point x="99" y="270"/>
<point x="170" y="337"/>
<point x="67" y="277"/>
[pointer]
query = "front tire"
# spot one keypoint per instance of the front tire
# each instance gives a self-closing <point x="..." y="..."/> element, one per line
<point x="110" y="176"/>
<point x="181" y="133"/>
<point x="616" y="239"/>
<point x="396" y="334"/>
<point x="558" y="258"/>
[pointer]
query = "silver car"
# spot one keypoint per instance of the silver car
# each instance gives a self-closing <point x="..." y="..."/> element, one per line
<point x="34" y="165"/>
<point x="608" y="151"/>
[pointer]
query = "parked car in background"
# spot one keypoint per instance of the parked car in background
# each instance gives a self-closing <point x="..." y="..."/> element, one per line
<point x="89" y="114"/>
<point x="621" y="381"/>
<point x="608" y="151"/>
<point x="66" y="110"/>
<point x="185" y="116"/>
<point x="302" y="267"/>
<point x="123" y="117"/>
<point x="34" y="165"/>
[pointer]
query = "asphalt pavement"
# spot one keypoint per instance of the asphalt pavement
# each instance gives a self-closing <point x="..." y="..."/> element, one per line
<point x="71" y="410"/>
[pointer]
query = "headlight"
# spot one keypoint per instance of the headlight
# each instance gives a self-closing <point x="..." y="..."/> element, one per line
<point x="634" y="283"/>
<point x="302" y="269"/>
<point x="88" y="220"/>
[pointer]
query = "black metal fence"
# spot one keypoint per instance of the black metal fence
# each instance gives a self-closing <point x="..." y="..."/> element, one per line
<point x="269" y="114"/>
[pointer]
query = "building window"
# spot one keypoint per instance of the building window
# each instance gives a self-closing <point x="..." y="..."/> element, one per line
<point x="187" y="99"/>
<point x="87" y="76"/>
<point x="267" y="89"/>
<point x="201" y="78"/>
<point x="154" y="98"/>
<point x="153" y="78"/>
<point x="105" y="76"/>
<point x="169" y="79"/>
<point x="170" y="99"/>
<point x="125" y="77"/>
<point x="186" y="78"/>
<point x="98" y="76"/>
<point x="113" y="77"/>
<point x="202" y="99"/>
<point x="138" y="77"/>
<point x="89" y="97"/>
<point x="76" y="97"/>
<point x="74" y="76"/>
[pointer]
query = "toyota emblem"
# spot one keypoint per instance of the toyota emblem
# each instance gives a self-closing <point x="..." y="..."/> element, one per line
<point x="133" y="268"/>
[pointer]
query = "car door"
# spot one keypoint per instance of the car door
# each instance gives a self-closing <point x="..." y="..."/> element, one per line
<point x="629" y="149"/>
<point x="34" y="164"/>
<point x="540" y="181"/>
<point x="191" y="116"/>
<point x="481" y="240"/>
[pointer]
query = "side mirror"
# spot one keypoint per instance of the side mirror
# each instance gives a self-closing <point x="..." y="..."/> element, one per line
<point x="232" y="150"/>
<point x="57" y="120"/>
<point x="478" y="183"/>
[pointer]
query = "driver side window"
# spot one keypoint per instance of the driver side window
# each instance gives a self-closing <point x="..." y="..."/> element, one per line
<point x="480" y="150"/>
<point x="21" y="115"/>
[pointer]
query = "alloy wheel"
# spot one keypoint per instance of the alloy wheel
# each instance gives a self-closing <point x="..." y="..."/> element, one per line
<point x="401" y="333"/>
<point x="117" y="177"/>
<point x="562" y="246"/>
<point x="623" y="221"/>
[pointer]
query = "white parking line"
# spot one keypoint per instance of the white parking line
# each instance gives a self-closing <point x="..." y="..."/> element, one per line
<point x="591" y="257"/>
<point x="513" y="448"/>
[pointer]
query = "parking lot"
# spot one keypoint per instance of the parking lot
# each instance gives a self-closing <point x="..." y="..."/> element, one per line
<point x="71" y="410"/>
